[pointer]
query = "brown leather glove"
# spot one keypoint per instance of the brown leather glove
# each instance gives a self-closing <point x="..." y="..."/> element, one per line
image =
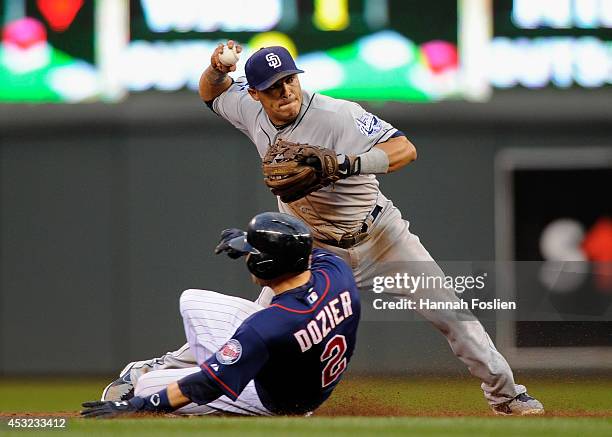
<point x="293" y="170"/>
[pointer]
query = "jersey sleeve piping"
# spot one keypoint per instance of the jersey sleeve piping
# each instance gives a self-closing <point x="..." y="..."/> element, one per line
<point x="384" y="137"/>
<point x="228" y="391"/>
<point x="209" y="103"/>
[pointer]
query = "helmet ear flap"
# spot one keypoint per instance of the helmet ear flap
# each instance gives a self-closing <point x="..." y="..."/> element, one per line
<point x="260" y="266"/>
<point x="300" y="265"/>
<point x="265" y="267"/>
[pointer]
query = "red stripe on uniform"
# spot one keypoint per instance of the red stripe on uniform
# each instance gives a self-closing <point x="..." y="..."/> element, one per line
<point x="216" y="378"/>
<point x="327" y="282"/>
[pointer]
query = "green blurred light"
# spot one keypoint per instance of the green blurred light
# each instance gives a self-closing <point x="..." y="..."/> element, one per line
<point x="31" y="86"/>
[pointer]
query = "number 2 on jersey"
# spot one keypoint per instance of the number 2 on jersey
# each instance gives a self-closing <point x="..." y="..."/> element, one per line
<point x="334" y="352"/>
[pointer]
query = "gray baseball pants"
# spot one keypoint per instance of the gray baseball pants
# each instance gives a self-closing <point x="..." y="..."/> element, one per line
<point x="389" y="246"/>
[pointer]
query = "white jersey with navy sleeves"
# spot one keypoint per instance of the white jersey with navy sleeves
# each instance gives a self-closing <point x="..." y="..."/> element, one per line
<point x="340" y="125"/>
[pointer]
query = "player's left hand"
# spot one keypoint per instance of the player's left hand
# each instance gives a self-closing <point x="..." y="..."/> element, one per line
<point x="294" y="170"/>
<point x="226" y="236"/>
<point x="108" y="409"/>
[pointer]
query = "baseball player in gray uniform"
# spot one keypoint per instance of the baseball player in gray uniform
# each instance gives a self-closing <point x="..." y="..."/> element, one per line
<point x="350" y="218"/>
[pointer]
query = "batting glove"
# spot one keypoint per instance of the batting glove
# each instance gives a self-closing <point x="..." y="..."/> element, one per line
<point x="110" y="409"/>
<point x="226" y="236"/>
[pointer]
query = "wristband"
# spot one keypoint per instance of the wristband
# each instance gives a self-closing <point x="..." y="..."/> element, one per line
<point x="200" y="388"/>
<point x="374" y="161"/>
<point x="155" y="403"/>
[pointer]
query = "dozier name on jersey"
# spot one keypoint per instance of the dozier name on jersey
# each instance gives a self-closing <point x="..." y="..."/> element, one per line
<point x="325" y="321"/>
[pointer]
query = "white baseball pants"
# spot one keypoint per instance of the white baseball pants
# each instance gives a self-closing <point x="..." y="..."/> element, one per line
<point x="210" y="319"/>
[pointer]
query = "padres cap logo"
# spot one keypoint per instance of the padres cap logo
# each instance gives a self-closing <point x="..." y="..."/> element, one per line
<point x="273" y="60"/>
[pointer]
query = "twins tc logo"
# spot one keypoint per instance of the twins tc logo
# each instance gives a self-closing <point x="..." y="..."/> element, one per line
<point x="230" y="352"/>
<point x="273" y="60"/>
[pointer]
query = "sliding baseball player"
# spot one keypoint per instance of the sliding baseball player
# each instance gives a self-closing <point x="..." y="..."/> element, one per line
<point x="285" y="359"/>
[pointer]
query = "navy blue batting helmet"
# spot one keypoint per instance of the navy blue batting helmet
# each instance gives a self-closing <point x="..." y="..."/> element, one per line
<point x="277" y="244"/>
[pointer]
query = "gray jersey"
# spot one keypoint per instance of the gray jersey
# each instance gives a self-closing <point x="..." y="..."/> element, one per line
<point x="336" y="124"/>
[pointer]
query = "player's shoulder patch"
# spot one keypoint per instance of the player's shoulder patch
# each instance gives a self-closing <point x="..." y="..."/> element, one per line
<point x="230" y="352"/>
<point x="368" y="124"/>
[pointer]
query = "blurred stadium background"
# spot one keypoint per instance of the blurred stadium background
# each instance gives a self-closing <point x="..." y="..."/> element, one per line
<point x="109" y="209"/>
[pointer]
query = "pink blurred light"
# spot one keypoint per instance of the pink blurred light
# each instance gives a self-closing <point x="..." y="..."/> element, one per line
<point x="440" y="55"/>
<point x="24" y="33"/>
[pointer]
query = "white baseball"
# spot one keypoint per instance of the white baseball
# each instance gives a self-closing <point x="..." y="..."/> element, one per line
<point x="229" y="56"/>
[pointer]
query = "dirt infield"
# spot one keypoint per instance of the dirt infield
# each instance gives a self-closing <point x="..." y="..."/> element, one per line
<point x="364" y="405"/>
<point x="368" y="409"/>
<point x="363" y="410"/>
<point x="355" y="396"/>
<point x="447" y="397"/>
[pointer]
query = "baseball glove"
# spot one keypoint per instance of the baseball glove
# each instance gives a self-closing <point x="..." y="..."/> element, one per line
<point x="293" y="170"/>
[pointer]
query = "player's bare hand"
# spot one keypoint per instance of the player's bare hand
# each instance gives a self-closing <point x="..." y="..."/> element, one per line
<point x="217" y="64"/>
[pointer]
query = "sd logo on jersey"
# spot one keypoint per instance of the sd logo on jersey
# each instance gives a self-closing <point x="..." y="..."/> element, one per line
<point x="368" y="124"/>
<point x="230" y="352"/>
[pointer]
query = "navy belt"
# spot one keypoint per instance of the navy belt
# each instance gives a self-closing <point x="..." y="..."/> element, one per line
<point x="350" y="239"/>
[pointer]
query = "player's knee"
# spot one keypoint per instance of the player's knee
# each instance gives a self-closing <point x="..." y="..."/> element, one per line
<point x="187" y="297"/>
<point x="193" y="298"/>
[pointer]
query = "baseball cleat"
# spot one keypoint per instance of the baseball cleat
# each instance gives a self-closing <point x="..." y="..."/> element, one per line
<point x="522" y="405"/>
<point x="122" y="388"/>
